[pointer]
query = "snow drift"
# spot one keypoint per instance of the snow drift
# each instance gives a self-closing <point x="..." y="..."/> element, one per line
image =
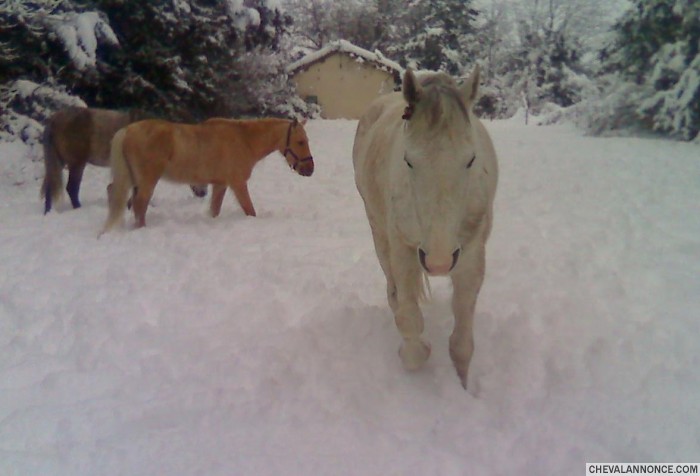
<point x="264" y="346"/>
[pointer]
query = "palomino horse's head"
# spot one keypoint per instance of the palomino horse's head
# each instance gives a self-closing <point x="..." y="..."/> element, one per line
<point x="296" y="149"/>
<point x="440" y="168"/>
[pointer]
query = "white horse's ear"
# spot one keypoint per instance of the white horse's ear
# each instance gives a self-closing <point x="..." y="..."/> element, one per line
<point x="411" y="89"/>
<point x="471" y="86"/>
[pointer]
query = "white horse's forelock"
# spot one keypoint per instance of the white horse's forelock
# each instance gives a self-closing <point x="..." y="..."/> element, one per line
<point x="439" y="106"/>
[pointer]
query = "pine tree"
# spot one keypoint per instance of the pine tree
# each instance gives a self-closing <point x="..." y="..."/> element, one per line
<point x="656" y="50"/>
<point x="386" y="24"/>
<point x="180" y="59"/>
<point x="318" y="22"/>
<point x="437" y="35"/>
<point x="42" y="62"/>
<point x="41" y="41"/>
<point x="545" y="67"/>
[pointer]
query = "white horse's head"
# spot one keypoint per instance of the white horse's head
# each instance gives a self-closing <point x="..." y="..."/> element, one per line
<point x="438" y="195"/>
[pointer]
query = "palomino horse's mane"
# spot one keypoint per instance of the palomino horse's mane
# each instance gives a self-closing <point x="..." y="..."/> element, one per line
<point x="262" y="120"/>
<point x="441" y="101"/>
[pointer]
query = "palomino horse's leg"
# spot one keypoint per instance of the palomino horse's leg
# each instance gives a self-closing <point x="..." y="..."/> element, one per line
<point x="241" y="192"/>
<point x="466" y="281"/>
<point x="217" y="198"/>
<point x="142" y="197"/>
<point x="128" y="202"/>
<point x="75" y="176"/>
<point x="408" y="316"/>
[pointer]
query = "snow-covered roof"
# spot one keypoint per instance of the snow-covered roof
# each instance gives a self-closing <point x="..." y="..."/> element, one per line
<point x="343" y="46"/>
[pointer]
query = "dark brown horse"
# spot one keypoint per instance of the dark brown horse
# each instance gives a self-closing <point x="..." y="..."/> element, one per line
<point x="76" y="136"/>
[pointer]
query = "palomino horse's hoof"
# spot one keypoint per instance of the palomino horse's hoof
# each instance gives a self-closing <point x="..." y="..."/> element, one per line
<point x="414" y="353"/>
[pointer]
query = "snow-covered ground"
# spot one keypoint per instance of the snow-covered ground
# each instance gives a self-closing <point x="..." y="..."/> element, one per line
<point x="264" y="346"/>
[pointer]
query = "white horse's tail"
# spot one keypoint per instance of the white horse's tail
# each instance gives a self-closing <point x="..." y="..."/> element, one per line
<point x="122" y="182"/>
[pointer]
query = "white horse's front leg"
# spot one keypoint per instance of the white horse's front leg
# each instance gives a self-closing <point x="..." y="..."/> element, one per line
<point x="466" y="281"/>
<point x="408" y="277"/>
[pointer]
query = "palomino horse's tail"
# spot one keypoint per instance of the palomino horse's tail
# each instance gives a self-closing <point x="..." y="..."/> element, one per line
<point x="122" y="182"/>
<point x="52" y="188"/>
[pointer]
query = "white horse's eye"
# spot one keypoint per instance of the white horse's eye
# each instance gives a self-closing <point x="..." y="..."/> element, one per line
<point x="471" y="162"/>
<point x="410" y="165"/>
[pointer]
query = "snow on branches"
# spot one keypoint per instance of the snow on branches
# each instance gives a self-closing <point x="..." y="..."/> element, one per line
<point x="80" y="34"/>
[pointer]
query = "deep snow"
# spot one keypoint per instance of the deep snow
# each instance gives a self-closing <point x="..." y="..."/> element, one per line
<point x="264" y="346"/>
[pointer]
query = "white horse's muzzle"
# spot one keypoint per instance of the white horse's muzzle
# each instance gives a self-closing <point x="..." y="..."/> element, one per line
<point x="438" y="265"/>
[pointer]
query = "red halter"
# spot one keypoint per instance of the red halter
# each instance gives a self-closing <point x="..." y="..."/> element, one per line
<point x="288" y="150"/>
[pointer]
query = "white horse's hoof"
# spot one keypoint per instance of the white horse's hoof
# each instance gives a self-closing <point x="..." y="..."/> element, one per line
<point x="461" y="364"/>
<point x="462" y="373"/>
<point x="414" y="353"/>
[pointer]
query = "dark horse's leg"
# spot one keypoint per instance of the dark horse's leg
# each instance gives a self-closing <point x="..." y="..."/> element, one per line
<point x="75" y="176"/>
<point x="199" y="190"/>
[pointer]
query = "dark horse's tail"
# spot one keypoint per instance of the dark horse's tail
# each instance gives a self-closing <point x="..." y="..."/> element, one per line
<point x="52" y="188"/>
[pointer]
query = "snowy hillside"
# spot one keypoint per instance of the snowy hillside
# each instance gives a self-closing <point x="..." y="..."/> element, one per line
<point x="264" y="346"/>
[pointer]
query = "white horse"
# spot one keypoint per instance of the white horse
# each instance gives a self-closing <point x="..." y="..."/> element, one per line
<point x="427" y="172"/>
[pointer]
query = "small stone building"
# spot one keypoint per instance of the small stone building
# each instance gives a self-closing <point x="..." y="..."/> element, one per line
<point x="343" y="78"/>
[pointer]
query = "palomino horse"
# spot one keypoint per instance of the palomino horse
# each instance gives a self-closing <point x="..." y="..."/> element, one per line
<point x="222" y="152"/>
<point x="76" y="136"/>
<point x="428" y="183"/>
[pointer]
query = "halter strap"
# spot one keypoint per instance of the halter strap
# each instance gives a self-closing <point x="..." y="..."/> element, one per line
<point x="288" y="150"/>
